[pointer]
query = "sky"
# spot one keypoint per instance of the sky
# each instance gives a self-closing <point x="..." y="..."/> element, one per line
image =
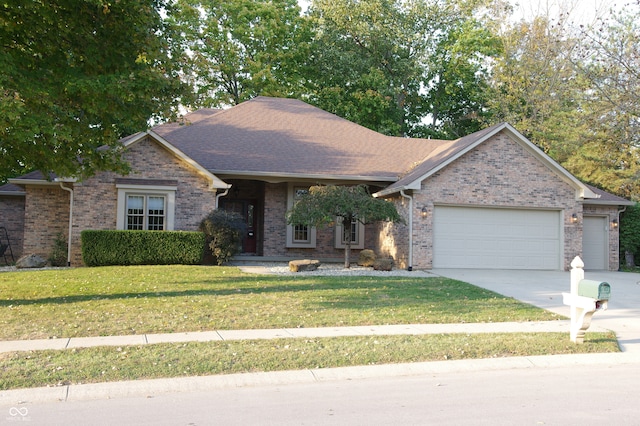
<point x="582" y="11"/>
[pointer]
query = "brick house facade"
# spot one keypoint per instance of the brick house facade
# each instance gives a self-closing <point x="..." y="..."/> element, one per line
<point x="253" y="157"/>
<point x="12" y="219"/>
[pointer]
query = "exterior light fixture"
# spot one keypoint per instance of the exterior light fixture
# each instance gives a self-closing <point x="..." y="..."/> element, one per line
<point x="574" y="218"/>
<point x="424" y="211"/>
<point x="614" y="223"/>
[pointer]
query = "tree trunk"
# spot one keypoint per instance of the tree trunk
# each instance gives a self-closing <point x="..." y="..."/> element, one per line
<point x="346" y="236"/>
<point x="347" y="256"/>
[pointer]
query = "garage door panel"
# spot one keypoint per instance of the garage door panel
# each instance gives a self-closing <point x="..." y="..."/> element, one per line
<point x="496" y="238"/>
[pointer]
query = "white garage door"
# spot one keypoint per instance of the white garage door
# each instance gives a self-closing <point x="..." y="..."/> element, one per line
<point x="595" y="251"/>
<point x="469" y="237"/>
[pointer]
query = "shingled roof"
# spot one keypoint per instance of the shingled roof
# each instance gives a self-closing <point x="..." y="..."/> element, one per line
<point x="290" y="138"/>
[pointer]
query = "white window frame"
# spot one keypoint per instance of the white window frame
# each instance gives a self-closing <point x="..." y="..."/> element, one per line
<point x="340" y="243"/>
<point x="168" y="192"/>
<point x="291" y="243"/>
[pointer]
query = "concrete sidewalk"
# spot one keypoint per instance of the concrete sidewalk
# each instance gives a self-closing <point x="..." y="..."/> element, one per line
<point x="286" y="333"/>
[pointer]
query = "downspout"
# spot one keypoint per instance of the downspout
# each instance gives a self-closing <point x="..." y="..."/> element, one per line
<point x="218" y="196"/>
<point x="410" y="268"/>
<point x="70" y="221"/>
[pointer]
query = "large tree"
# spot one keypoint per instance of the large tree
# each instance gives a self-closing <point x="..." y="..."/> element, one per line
<point x="573" y="91"/>
<point x="240" y="49"/>
<point x="76" y="75"/>
<point x="609" y="60"/>
<point x="535" y="87"/>
<point x="389" y="64"/>
<point x="323" y="205"/>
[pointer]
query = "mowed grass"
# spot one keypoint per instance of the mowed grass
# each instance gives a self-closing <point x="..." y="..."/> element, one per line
<point x="102" y="364"/>
<point x="87" y="302"/>
<point x="103" y="301"/>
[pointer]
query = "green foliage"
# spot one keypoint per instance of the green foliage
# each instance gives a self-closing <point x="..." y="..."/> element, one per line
<point x="389" y="64"/>
<point x="323" y="205"/>
<point x="224" y="231"/>
<point x="59" y="253"/>
<point x="242" y="48"/>
<point x="574" y="92"/>
<point x="630" y="230"/>
<point x="77" y="75"/>
<point x="103" y="248"/>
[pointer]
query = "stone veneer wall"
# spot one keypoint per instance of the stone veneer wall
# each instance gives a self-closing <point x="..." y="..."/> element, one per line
<point x="95" y="199"/>
<point x="498" y="173"/>
<point x="12" y="218"/>
<point x="46" y="215"/>
<point x="614" y="233"/>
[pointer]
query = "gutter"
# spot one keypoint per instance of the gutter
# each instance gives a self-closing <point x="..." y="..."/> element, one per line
<point x="70" y="191"/>
<point x="410" y="267"/>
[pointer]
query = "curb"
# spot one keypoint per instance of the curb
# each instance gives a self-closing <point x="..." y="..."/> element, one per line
<point x="155" y="387"/>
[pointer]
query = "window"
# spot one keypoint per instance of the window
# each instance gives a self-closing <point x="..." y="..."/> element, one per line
<point x="145" y="212"/>
<point x="299" y="235"/>
<point x="144" y="205"/>
<point x="357" y="235"/>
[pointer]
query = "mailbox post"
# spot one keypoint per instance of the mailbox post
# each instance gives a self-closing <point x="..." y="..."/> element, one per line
<point x="585" y="299"/>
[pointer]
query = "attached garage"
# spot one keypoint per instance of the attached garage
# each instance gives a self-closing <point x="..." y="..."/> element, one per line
<point x="497" y="238"/>
<point x="595" y="243"/>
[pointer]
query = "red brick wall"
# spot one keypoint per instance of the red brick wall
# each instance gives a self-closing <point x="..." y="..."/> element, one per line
<point x="275" y="238"/>
<point x="12" y="218"/>
<point x="95" y="199"/>
<point x="499" y="172"/>
<point x="46" y="215"/>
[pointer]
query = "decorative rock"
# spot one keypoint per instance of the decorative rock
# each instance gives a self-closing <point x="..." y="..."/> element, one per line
<point x="303" y="265"/>
<point x="31" y="261"/>
<point x="385" y="264"/>
<point x="366" y="258"/>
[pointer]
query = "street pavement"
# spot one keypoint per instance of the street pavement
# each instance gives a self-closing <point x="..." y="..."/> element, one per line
<point x="539" y="288"/>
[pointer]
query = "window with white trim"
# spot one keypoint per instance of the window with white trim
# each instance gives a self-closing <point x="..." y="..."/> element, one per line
<point x="299" y="235"/>
<point x="146" y="207"/>
<point x="145" y="212"/>
<point x="357" y="235"/>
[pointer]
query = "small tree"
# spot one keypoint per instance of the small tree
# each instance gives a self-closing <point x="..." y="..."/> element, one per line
<point x="58" y="255"/>
<point x="224" y="231"/>
<point x="324" y="205"/>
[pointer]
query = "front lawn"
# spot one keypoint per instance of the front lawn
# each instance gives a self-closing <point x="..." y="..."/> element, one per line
<point x="103" y="301"/>
<point x="162" y="299"/>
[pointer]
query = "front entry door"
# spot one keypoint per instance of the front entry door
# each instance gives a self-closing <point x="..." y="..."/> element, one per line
<point x="247" y="209"/>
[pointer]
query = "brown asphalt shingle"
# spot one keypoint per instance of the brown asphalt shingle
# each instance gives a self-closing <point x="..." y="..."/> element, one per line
<point x="289" y="137"/>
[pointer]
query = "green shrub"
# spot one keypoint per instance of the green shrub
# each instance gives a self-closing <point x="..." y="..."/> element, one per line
<point x="224" y="231"/>
<point x="630" y="232"/>
<point x="102" y="248"/>
<point x="58" y="255"/>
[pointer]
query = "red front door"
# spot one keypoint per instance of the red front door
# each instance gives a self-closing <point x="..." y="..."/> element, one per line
<point x="247" y="209"/>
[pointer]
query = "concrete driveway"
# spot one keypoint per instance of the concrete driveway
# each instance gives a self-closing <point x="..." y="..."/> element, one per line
<point x="544" y="289"/>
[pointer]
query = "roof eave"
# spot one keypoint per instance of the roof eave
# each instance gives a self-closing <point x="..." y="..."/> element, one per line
<point x="13" y="193"/>
<point x="39" y="182"/>
<point x="279" y="177"/>
<point x="600" y="202"/>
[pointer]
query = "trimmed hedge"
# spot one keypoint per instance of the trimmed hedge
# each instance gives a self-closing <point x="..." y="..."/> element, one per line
<point x="103" y="248"/>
